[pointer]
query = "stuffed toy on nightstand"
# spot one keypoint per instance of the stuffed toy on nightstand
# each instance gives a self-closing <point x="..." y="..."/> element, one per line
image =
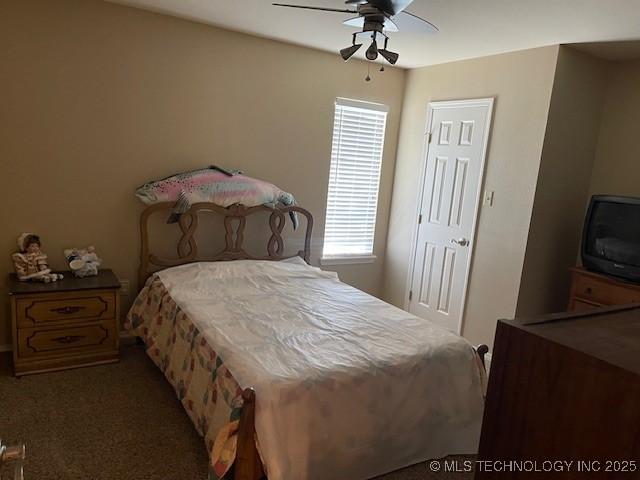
<point x="83" y="262"/>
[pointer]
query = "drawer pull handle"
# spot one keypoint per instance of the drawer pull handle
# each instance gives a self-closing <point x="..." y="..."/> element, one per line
<point x="588" y="290"/>
<point x="68" y="339"/>
<point x="67" y="310"/>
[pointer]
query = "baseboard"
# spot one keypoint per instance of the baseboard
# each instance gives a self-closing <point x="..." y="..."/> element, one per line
<point x="127" y="339"/>
<point x="6" y="348"/>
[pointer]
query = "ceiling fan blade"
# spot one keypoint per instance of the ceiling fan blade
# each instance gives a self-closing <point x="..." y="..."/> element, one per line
<point x="390" y="25"/>
<point x="410" y="23"/>
<point x="391" y="7"/>
<point x="355" y="2"/>
<point x="322" y="9"/>
<point x="358" y="22"/>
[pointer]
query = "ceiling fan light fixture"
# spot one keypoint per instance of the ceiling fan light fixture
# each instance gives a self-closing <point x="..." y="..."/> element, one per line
<point x="372" y="51"/>
<point x="374" y="17"/>
<point x="390" y="57"/>
<point x="347" y="53"/>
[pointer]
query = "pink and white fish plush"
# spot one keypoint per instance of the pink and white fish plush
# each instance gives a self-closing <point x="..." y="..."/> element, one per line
<point x="213" y="185"/>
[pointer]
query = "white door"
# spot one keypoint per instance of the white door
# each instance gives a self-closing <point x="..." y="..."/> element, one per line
<point x="448" y="209"/>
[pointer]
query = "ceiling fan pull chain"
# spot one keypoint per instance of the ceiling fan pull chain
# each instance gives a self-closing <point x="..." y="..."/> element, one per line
<point x="368" y="79"/>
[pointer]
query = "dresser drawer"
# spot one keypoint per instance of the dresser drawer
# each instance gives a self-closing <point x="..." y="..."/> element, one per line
<point x="601" y="291"/>
<point x="578" y="305"/>
<point x="60" y="307"/>
<point x="39" y="342"/>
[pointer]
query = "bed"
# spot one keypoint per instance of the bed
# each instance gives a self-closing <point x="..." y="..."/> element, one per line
<point x="289" y="373"/>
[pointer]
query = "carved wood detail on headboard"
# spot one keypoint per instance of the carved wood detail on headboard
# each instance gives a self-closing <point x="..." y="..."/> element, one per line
<point x="235" y="215"/>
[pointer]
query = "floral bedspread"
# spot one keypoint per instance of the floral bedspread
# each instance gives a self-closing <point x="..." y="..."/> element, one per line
<point x="348" y="387"/>
<point x="210" y="395"/>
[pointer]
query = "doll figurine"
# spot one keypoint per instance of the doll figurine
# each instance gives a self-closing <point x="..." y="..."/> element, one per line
<point x="31" y="263"/>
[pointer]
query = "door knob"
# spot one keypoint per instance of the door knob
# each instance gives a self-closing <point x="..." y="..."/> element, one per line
<point x="463" y="242"/>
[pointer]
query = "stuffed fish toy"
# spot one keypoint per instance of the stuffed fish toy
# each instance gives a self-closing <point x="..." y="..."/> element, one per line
<point x="214" y="185"/>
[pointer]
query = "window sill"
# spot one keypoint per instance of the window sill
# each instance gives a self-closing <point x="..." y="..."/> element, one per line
<point x="347" y="259"/>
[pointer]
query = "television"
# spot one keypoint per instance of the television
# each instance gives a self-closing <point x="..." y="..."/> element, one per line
<point x="611" y="237"/>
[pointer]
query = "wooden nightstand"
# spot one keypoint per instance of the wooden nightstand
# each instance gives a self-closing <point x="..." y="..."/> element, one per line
<point x="65" y="324"/>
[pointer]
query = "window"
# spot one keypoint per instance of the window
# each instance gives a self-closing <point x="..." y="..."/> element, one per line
<point x="354" y="179"/>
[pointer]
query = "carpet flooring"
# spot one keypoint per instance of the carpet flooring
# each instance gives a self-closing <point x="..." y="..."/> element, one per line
<point x="111" y="422"/>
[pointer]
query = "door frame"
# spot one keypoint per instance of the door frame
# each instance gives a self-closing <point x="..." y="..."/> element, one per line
<point x="476" y="102"/>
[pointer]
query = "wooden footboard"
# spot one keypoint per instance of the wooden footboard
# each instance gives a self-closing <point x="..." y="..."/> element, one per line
<point x="248" y="465"/>
<point x="482" y="350"/>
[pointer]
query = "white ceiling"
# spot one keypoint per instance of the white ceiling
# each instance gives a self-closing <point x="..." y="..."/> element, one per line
<point x="468" y="28"/>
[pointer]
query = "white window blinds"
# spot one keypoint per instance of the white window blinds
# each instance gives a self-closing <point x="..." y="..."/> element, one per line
<point x="356" y="158"/>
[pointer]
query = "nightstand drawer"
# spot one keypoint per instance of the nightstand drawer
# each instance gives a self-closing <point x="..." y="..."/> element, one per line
<point x="37" y="342"/>
<point x="47" y="308"/>
<point x="600" y="291"/>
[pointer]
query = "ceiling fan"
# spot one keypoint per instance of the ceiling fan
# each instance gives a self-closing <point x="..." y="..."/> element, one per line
<point x="376" y="17"/>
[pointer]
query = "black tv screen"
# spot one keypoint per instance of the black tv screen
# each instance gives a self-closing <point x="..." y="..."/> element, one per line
<point x="611" y="237"/>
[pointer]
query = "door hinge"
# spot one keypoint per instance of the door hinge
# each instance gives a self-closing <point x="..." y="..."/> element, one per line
<point x="419" y="219"/>
<point x="429" y="135"/>
<point x="410" y="295"/>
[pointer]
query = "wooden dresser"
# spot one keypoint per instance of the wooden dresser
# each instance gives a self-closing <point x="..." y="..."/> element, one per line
<point x="65" y="324"/>
<point x="592" y="290"/>
<point x="564" y="387"/>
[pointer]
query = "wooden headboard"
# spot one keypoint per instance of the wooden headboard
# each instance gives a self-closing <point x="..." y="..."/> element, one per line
<point x="235" y="219"/>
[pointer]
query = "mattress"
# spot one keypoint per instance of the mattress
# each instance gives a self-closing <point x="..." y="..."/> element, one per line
<point x="347" y="386"/>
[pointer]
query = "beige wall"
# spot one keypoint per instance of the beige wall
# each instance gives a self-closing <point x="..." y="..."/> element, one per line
<point x="617" y="166"/>
<point x="97" y="98"/>
<point x="595" y="110"/>
<point x="563" y="182"/>
<point x="521" y="83"/>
